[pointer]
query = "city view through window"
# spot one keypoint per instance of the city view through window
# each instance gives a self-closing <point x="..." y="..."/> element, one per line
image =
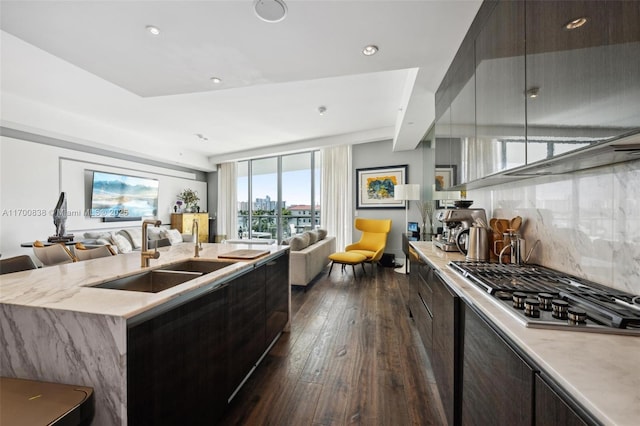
<point x="285" y="194"/>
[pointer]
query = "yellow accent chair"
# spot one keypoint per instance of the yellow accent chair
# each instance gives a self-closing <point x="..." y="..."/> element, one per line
<point x="373" y="239"/>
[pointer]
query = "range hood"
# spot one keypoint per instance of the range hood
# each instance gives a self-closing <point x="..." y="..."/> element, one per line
<point x="619" y="150"/>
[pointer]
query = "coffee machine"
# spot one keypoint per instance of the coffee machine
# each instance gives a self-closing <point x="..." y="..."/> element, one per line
<point x="454" y="221"/>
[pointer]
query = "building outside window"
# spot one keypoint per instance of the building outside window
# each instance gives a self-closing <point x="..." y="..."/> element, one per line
<point x="285" y="194"/>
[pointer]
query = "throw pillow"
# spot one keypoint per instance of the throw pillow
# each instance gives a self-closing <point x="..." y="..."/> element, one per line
<point x="135" y="235"/>
<point x="322" y="234"/>
<point x="299" y="242"/>
<point x="313" y="236"/>
<point x="174" y="236"/>
<point x="120" y="241"/>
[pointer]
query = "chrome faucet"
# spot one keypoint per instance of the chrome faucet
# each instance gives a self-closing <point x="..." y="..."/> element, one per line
<point x="145" y="253"/>
<point x="195" y="232"/>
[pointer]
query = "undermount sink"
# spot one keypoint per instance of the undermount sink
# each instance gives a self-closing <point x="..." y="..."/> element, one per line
<point x="150" y="281"/>
<point x="192" y="265"/>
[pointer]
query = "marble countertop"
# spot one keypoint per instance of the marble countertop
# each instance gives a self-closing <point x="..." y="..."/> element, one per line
<point x="69" y="286"/>
<point x="600" y="371"/>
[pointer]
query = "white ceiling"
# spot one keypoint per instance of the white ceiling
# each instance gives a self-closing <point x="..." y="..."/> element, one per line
<point x="88" y="71"/>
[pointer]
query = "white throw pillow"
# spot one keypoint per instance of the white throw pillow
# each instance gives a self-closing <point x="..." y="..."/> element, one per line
<point x="135" y="234"/>
<point x="322" y="234"/>
<point x="173" y="235"/>
<point x="120" y="241"/>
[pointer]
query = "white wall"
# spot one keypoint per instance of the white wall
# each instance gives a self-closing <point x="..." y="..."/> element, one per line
<point x="34" y="174"/>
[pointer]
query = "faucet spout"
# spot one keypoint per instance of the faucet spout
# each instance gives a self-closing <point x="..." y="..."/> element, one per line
<point x="145" y="253"/>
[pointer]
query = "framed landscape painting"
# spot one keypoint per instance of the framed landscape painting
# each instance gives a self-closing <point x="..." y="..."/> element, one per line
<point x="375" y="187"/>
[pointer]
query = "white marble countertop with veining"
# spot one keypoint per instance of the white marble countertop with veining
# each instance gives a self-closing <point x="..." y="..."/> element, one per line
<point x="600" y="371"/>
<point x="69" y="286"/>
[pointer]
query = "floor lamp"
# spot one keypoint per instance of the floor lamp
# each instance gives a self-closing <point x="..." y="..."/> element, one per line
<point x="406" y="193"/>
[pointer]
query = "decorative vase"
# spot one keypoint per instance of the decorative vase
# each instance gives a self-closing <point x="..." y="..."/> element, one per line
<point x="188" y="209"/>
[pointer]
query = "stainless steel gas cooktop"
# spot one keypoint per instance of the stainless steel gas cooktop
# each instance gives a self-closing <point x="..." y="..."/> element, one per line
<point x="543" y="298"/>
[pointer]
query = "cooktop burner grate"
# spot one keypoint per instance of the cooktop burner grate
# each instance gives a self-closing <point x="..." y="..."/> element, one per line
<point x="605" y="308"/>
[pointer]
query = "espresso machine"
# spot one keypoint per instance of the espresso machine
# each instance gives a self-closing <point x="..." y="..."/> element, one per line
<point x="453" y="222"/>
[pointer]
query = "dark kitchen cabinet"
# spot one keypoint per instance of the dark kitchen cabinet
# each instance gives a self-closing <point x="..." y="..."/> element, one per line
<point x="585" y="80"/>
<point x="497" y="384"/>
<point x="499" y="99"/>
<point x="247" y="331"/>
<point x="176" y="363"/>
<point x="276" y="297"/>
<point x="445" y="353"/>
<point x="186" y="358"/>
<point x="421" y="301"/>
<point x="551" y="409"/>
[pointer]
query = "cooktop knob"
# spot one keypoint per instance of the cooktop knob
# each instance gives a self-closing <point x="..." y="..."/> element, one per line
<point x="559" y="308"/>
<point x="531" y="308"/>
<point x="577" y="316"/>
<point x="518" y="299"/>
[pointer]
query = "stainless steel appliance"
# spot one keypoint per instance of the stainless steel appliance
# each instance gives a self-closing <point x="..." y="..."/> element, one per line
<point x="540" y="297"/>
<point x="455" y="221"/>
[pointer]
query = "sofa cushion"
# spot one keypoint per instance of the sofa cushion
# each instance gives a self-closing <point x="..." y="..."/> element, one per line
<point x="174" y="236"/>
<point x="322" y="234"/>
<point x="120" y="241"/>
<point x="94" y="235"/>
<point x="299" y="242"/>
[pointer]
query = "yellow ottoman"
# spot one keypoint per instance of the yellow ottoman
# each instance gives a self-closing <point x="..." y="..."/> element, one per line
<point x="347" y="258"/>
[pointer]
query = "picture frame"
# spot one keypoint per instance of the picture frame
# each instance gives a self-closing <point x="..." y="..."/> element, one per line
<point x="374" y="187"/>
<point x="445" y="177"/>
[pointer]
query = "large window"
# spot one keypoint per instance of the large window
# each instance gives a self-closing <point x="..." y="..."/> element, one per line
<point x="284" y="193"/>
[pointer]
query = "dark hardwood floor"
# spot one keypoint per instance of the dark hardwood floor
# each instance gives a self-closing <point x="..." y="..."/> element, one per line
<point x="352" y="357"/>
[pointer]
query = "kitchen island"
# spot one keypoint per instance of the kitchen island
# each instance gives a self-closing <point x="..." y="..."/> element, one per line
<point x="594" y="372"/>
<point x="57" y="327"/>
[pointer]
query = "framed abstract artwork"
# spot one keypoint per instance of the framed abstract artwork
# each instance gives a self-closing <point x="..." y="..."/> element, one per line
<point x="375" y="187"/>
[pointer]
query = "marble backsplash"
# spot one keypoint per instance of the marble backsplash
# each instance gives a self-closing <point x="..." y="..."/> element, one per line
<point x="588" y="222"/>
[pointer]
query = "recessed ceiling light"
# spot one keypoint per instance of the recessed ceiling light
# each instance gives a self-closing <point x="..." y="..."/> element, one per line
<point x="533" y="92"/>
<point x="322" y="109"/>
<point x="153" y="30"/>
<point x="576" y="23"/>
<point x="216" y="80"/>
<point x="270" y="10"/>
<point x="370" y="50"/>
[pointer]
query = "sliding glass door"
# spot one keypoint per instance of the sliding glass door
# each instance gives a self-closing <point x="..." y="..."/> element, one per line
<point x="284" y="193"/>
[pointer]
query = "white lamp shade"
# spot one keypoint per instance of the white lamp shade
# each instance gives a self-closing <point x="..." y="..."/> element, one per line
<point x="406" y="192"/>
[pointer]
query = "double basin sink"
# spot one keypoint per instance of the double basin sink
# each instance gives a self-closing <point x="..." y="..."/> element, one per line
<point x="166" y="277"/>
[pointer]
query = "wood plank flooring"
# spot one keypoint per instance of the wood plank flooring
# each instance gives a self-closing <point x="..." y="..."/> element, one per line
<point x="352" y="357"/>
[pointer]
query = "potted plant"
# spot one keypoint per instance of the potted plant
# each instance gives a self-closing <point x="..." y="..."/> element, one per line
<point x="190" y="198"/>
